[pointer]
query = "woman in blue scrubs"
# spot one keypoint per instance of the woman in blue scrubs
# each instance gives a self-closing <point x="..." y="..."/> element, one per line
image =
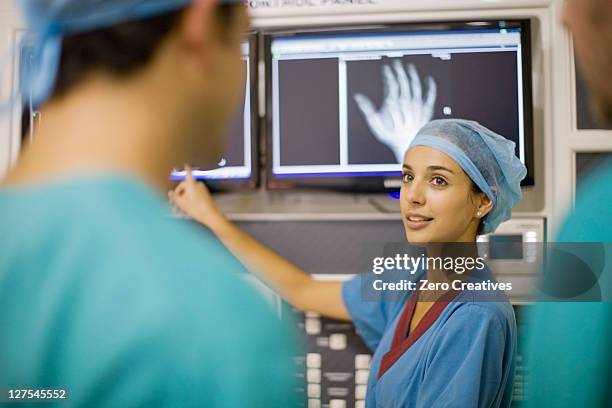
<point x="450" y="348"/>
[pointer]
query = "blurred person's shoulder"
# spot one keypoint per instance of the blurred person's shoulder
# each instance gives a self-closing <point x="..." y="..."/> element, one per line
<point x="114" y="276"/>
<point x="117" y="231"/>
<point x="592" y="216"/>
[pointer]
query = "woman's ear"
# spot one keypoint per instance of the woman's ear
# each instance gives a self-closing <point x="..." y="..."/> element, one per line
<point x="484" y="205"/>
<point x="196" y="28"/>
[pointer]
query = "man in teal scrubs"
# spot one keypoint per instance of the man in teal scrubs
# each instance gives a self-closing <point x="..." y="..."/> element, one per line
<point x="101" y="293"/>
<point x="570" y="343"/>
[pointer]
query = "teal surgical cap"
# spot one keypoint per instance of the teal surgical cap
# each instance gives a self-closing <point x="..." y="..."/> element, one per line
<point x="487" y="158"/>
<point x="50" y="20"/>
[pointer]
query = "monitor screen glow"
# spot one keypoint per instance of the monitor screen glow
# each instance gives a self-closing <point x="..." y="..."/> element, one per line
<point x="344" y="106"/>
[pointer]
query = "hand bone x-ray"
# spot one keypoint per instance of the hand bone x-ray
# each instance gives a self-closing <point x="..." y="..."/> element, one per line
<point x="405" y="109"/>
<point x="364" y="110"/>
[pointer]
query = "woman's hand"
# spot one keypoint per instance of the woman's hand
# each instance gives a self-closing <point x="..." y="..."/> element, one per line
<point x="194" y="199"/>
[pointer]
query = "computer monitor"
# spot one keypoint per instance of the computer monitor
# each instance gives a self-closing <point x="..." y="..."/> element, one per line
<point x="237" y="169"/>
<point x="343" y="104"/>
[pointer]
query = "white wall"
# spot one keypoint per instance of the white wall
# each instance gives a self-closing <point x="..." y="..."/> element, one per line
<point x="10" y="24"/>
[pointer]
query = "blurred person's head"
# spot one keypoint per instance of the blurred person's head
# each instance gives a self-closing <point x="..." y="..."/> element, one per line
<point x="182" y="61"/>
<point x="590" y="22"/>
<point x="459" y="180"/>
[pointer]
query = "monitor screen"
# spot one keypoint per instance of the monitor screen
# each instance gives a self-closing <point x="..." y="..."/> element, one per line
<point x="236" y="168"/>
<point x="344" y="105"/>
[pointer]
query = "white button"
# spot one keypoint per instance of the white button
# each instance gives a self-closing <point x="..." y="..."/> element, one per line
<point x="313" y="375"/>
<point x="314" y="391"/>
<point x="359" y="404"/>
<point x="315" y="403"/>
<point x="312" y="314"/>
<point x="361" y="376"/>
<point x="360" y="392"/>
<point x="336" y="403"/>
<point x="312" y="325"/>
<point x="337" y="341"/>
<point x="313" y="360"/>
<point x="362" y="361"/>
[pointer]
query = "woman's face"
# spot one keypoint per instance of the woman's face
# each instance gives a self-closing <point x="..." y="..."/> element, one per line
<point x="437" y="200"/>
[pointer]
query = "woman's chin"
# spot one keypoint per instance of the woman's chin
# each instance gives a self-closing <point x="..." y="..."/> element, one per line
<point x="416" y="238"/>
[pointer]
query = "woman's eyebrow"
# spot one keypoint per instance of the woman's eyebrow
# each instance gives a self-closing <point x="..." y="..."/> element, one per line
<point x="440" y="168"/>
<point x="430" y="168"/>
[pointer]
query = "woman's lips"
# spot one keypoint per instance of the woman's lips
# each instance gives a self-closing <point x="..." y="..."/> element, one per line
<point x="417" y="222"/>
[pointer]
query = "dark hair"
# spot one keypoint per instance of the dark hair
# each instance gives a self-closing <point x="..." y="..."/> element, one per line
<point x="25" y="123"/>
<point x="119" y="50"/>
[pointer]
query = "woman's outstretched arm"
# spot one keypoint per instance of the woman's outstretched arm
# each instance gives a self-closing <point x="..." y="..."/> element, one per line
<point x="293" y="284"/>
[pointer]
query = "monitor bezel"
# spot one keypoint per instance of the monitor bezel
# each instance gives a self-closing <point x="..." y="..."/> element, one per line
<point x="382" y="184"/>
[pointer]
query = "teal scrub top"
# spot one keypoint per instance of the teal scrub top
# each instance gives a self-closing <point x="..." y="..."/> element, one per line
<point x="103" y="294"/>
<point x="570" y="343"/>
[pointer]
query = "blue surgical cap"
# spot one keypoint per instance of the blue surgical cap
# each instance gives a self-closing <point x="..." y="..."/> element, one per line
<point x="487" y="158"/>
<point x="50" y="20"/>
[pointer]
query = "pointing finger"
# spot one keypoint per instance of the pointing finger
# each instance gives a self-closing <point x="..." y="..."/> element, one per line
<point x="189" y="174"/>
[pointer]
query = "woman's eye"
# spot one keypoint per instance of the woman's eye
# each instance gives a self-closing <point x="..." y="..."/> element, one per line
<point x="406" y="178"/>
<point x="439" y="181"/>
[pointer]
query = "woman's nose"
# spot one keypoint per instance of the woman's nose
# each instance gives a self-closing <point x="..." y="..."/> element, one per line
<point x="414" y="193"/>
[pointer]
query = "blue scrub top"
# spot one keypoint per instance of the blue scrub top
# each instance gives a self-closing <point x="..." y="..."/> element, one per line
<point x="465" y="358"/>
<point x="103" y="294"/>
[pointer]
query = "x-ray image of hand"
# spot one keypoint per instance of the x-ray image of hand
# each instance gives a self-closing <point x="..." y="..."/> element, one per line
<point x="404" y="110"/>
